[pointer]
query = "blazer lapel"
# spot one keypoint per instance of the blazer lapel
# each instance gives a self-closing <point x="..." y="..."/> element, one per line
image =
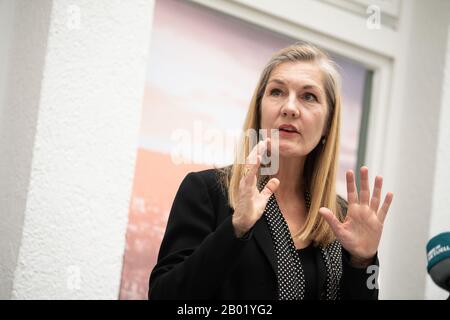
<point x="262" y="235"/>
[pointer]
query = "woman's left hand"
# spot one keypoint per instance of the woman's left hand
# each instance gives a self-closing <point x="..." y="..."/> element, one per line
<point x="361" y="230"/>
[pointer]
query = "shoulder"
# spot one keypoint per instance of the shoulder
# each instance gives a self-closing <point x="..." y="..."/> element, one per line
<point x="211" y="179"/>
<point x="208" y="175"/>
<point x="205" y="187"/>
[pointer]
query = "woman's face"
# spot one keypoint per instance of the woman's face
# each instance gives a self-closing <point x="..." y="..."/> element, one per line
<point x="295" y="97"/>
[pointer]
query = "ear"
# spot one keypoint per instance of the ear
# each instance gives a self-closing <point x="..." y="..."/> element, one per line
<point x="325" y="129"/>
<point x="327" y="126"/>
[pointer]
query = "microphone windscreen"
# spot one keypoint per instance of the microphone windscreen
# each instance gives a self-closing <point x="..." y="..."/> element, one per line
<point x="440" y="273"/>
<point x="438" y="254"/>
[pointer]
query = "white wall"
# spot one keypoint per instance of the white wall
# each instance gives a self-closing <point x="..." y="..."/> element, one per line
<point x="411" y="147"/>
<point x="440" y="217"/>
<point x="24" y="42"/>
<point x="70" y="130"/>
<point x="6" y="30"/>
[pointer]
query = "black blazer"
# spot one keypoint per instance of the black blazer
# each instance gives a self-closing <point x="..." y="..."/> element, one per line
<point x="201" y="258"/>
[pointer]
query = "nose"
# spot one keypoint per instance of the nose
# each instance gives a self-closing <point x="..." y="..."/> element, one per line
<point x="290" y="108"/>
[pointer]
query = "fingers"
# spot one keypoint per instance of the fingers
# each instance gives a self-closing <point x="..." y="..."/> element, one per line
<point x="251" y="170"/>
<point x="364" y="193"/>
<point x="376" y="197"/>
<point x="385" y="207"/>
<point x="270" y="188"/>
<point x="253" y="160"/>
<point x="331" y="219"/>
<point x="352" y="195"/>
<point x="259" y="149"/>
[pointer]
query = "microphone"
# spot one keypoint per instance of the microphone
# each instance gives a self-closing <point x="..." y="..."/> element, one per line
<point x="438" y="254"/>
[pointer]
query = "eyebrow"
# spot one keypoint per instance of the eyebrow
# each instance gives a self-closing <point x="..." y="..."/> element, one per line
<point x="307" y="86"/>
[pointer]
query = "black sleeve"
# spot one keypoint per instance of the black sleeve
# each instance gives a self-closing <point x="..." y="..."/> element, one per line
<point x="359" y="283"/>
<point x="195" y="255"/>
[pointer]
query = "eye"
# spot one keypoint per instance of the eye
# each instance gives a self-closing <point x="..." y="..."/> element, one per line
<point x="310" y="97"/>
<point x="276" y="92"/>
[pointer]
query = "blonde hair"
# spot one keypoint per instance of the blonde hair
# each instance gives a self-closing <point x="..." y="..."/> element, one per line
<point x="321" y="163"/>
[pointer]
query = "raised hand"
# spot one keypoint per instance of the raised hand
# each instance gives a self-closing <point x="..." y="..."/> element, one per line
<point x="360" y="232"/>
<point x="251" y="203"/>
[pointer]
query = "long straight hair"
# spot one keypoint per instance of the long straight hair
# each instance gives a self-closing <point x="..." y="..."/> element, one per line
<point x="321" y="163"/>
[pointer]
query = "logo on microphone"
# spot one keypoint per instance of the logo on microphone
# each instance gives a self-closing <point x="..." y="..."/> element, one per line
<point x="437" y="250"/>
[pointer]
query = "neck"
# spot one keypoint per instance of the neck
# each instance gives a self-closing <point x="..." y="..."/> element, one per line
<point x="290" y="174"/>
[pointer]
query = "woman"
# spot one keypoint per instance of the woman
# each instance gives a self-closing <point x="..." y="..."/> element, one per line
<point x="234" y="233"/>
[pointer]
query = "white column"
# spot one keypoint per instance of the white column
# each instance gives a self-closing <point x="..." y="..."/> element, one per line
<point x="440" y="213"/>
<point x="84" y="124"/>
<point x="23" y="34"/>
<point x="413" y="154"/>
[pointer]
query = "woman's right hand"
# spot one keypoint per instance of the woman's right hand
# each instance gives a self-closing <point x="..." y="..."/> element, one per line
<point x="251" y="203"/>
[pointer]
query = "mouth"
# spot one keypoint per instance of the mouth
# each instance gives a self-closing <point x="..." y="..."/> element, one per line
<point x="288" y="128"/>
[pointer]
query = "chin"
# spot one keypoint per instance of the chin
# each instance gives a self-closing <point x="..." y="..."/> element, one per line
<point x="288" y="150"/>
